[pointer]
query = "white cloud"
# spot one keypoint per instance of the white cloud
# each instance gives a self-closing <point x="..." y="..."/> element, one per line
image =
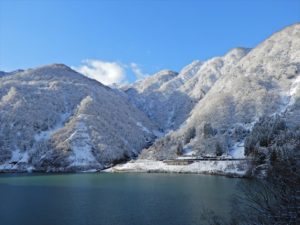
<point x="137" y="71"/>
<point x="105" y="72"/>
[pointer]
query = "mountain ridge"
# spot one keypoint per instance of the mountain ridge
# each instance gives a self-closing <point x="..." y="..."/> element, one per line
<point x="55" y="119"/>
<point x="261" y="95"/>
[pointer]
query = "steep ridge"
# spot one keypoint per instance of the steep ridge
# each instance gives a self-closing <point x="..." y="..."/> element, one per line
<point x="55" y="119"/>
<point x="168" y="98"/>
<point x="263" y="82"/>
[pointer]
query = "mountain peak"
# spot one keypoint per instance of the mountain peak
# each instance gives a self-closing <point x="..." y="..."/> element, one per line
<point x="57" y="66"/>
<point x="166" y="72"/>
<point x="238" y="52"/>
<point x="56" y="69"/>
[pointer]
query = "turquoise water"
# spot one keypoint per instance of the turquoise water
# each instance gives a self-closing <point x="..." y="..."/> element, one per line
<point x="112" y="199"/>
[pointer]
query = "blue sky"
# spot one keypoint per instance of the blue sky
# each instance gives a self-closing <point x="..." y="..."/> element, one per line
<point x="136" y="36"/>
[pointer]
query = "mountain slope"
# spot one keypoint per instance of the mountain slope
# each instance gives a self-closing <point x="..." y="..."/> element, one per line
<point x="259" y="84"/>
<point x="168" y="97"/>
<point x="53" y="118"/>
<point x="2" y="73"/>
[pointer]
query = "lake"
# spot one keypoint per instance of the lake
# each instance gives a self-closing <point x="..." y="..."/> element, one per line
<point x="112" y="199"/>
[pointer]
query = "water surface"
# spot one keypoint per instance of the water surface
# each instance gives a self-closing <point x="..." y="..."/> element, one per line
<point x="112" y="199"/>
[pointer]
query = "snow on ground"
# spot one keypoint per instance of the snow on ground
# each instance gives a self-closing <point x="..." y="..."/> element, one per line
<point x="186" y="157"/>
<point x="288" y="98"/>
<point x="5" y="166"/>
<point x="45" y="135"/>
<point x="294" y="88"/>
<point x="238" y="150"/>
<point x="18" y="156"/>
<point x="188" y="151"/>
<point x="15" y="167"/>
<point x="81" y="147"/>
<point x="158" y="133"/>
<point x="236" y="168"/>
<point x="82" y="156"/>
<point x="139" y="124"/>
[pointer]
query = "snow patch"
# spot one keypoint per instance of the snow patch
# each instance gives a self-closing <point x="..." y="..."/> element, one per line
<point x="45" y="135"/>
<point x="81" y="147"/>
<point x="29" y="169"/>
<point x="6" y="166"/>
<point x="295" y="86"/>
<point x="288" y="98"/>
<point x="139" y="124"/>
<point x="212" y="167"/>
<point x="189" y="152"/>
<point x="18" y="156"/>
<point x="158" y="133"/>
<point x="238" y="150"/>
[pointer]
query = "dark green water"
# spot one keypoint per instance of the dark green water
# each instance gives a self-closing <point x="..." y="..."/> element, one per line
<point x="112" y="199"/>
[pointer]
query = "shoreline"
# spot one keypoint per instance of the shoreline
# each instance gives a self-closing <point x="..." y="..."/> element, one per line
<point x="238" y="169"/>
<point x="222" y="168"/>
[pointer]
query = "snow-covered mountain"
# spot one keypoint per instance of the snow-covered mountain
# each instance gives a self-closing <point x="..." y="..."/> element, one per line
<point x="2" y="73"/>
<point x="231" y="93"/>
<point x="168" y="97"/>
<point x="53" y="118"/>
